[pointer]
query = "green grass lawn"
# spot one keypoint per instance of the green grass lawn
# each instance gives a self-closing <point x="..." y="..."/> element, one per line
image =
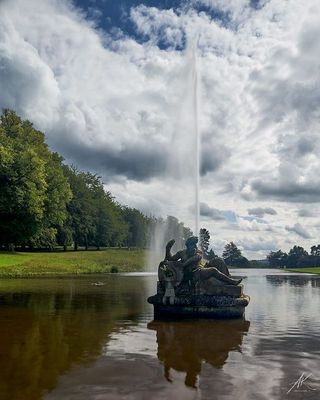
<point x="70" y="262"/>
<point x="313" y="270"/>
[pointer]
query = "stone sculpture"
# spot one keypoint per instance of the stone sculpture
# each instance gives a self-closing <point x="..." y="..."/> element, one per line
<point x="190" y="285"/>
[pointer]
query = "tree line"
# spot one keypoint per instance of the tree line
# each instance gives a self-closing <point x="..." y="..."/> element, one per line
<point x="297" y="257"/>
<point x="45" y="203"/>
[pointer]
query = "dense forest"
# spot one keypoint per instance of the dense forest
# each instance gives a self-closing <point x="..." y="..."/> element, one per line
<point x="45" y="203"/>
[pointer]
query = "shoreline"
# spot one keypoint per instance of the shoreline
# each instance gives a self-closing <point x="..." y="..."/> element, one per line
<point x="312" y="270"/>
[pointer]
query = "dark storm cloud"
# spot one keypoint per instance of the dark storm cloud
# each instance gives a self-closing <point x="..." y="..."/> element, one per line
<point x="209" y="212"/>
<point x="299" y="230"/>
<point x="135" y="163"/>
<point x="287" y="191"/>
<point x="260" y="211"/>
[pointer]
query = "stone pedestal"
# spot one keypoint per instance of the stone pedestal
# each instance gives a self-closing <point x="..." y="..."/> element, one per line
<point x="203" y="300"/>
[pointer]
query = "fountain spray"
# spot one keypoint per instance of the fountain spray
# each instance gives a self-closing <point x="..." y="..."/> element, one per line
<point x="196" y="133"/>
<point x="185" y="162"/>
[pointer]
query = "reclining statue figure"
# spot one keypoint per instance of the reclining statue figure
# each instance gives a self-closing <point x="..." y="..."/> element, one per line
<point x="188" y="266"/>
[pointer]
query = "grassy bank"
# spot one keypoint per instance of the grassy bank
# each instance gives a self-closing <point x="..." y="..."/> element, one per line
<point x="70" y="262"/>
<point x="315" y="270"/>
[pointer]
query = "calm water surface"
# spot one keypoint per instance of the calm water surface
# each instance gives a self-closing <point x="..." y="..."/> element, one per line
<point x="74" y="339"/>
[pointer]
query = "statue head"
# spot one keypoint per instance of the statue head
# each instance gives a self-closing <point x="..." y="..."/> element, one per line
<point x="191" y="245"/>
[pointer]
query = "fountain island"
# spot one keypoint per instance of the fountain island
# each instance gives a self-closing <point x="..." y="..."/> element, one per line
<point x="189" y="286"/>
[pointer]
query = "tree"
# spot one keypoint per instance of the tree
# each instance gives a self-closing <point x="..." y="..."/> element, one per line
<point x="33" y="189"/>
<point x="109" y="225"/>
<point x="294" y="255"/>
<point x="58" y="195"/>
<point x="232" y="256"/>
<point x="315" y="250"/>
<point x="64" y="235"/>
<point x="204" y="242"/>
<point x="231" y="253"/>
<point x="80" y="209"/>
<point x="137" y="227"/>
<point x="277" y="258"/>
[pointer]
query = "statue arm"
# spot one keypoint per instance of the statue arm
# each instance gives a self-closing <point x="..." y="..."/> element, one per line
<point x="191" y="260"/>
<point x="169" y="256"/>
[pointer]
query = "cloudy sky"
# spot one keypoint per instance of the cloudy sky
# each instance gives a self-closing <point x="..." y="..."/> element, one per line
<point x="111" y="85"/>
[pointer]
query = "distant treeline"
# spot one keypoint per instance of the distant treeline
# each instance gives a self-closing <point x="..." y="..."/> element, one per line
<point x="45" y="203"/>
<point x="297" y="257"/>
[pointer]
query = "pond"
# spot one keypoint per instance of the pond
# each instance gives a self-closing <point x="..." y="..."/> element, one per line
<point x="94" y="338"/>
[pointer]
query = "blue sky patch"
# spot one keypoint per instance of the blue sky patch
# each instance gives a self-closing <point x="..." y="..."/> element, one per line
<point x="110" y="15"/>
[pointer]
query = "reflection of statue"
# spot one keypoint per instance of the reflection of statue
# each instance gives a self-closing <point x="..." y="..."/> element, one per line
<point x="196" y="286"/>
<point x="184" y="345"/>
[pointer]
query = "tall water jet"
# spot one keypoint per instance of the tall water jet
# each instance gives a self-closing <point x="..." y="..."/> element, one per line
<point x="196" y="133"/>
<point x="183" y="165"/>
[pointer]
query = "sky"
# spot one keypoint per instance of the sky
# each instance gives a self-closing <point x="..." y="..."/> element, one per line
<point x="110" y="84"/>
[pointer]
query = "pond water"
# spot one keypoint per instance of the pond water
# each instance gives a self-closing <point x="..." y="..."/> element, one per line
<point x="95" y="338"/>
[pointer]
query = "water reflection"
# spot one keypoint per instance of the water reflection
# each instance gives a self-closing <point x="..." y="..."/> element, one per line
<point x="185" y="345"/>
<point x="292" y="280"/>
<point x="47" y="326"/>
<point x="68" y="339"/>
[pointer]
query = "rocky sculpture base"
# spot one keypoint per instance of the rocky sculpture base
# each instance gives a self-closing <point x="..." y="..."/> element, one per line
<point x="224" y="301"/>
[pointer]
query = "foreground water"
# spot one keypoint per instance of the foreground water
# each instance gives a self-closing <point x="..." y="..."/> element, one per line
<point x="95" y="338"/>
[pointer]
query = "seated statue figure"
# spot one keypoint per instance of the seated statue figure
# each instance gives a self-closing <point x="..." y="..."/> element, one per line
<point x="194" y="267"/>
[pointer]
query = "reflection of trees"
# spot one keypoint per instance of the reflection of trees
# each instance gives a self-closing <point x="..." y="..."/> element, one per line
<point x="315" y="282"/>
<point x="46" y="331"/>
<point x="292" y="280"/>
<point x="184" y="345"/>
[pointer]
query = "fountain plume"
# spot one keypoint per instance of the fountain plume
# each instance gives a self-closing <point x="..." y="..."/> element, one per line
<point x="184" y="164"/>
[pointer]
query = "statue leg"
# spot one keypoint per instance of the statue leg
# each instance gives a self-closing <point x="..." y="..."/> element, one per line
<point x="206" y="273"/>
<point x="220" y="265"/>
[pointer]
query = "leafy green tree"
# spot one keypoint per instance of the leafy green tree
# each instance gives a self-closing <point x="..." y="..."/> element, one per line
<point x="80" y="209"/>
<point x="137" y="227"/>
<point x="94" y="218"/>
<point x="30" y="200"/>
<point x="204" y="241"/>
<point x="277" y="258"/>
<point x="294" y="255"/>
<point x="231" y="253"/>
<point x="232" y="256"/>
<point x="64" y="235"/>
<point x="109" y="226"/>
<point x="315" y="250"/>
<point x="58" y="195"/>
